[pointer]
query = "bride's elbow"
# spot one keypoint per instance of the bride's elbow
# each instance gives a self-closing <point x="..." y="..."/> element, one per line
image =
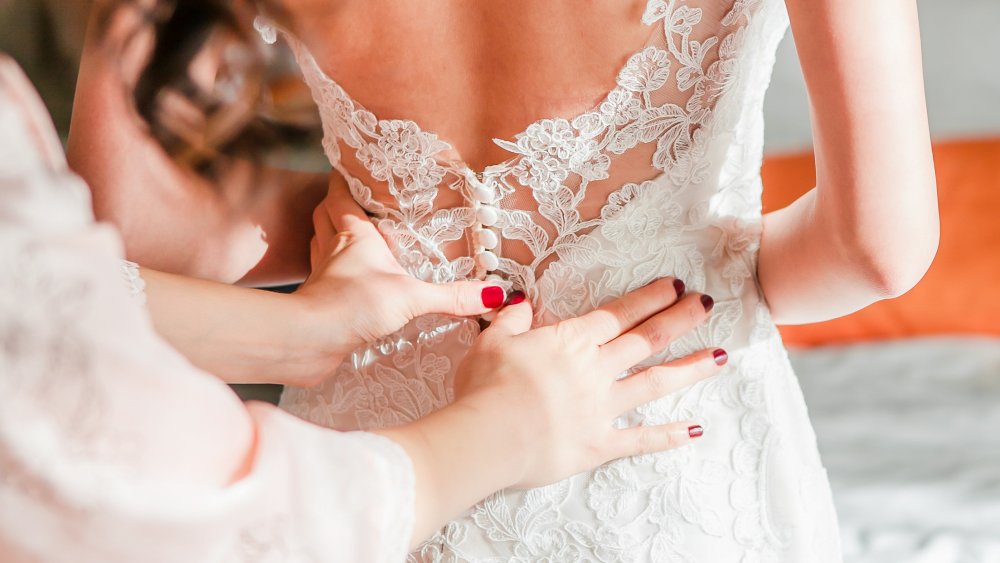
<point x="894" y="269"/>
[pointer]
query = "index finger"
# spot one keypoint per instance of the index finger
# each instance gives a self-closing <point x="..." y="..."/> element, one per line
<point x="612" y="319"/>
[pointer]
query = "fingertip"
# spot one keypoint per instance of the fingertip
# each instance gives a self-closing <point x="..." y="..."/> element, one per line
<point x="679" y="288"/>
<point x="521" y="305"/>
<point x="720" y="357"/>
<point x="492" y="296"/>
<point x="515" y="298"/>
<point x="514" y="319"/>
<point x="461" y="298"/>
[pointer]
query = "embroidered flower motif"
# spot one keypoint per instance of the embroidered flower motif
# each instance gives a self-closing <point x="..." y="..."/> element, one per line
<point x="552" y="547"/>
<point x="406" y="152"/>
<point x="655" y="10"/>
<point x="738" y="242"/>
<point x="619" y="108"/>
<point x="645" y="71"/>
<point x="434" y="549"/>
<point x="694" y="66"/>
<point x="564" y="288"/>
<point x="640" y="221"/>
<point x="683" y="20"/>
<point x="739" y="237"/>
<point x="550" y="150"/>
<point x="612" y="490"/>
<point x="376" y="397"/>
<point x="741" y="11"/>
<point x="414" y="262"/>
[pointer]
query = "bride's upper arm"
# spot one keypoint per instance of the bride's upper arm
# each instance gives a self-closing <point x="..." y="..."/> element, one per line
<point x="862" y="65"/>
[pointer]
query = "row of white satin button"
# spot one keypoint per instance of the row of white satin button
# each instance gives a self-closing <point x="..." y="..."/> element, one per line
<point x="487" y="216"/>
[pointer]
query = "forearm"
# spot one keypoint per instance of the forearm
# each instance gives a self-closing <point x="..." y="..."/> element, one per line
<point x="460" y="454"/>
<point x="870" y="228"/>
<point x="239" y="334"/>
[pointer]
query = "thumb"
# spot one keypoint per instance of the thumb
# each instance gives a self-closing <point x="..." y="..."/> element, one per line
<point x="512" y="320"/>
<point x="462" y="298"/>
<point x="339" y="204"/>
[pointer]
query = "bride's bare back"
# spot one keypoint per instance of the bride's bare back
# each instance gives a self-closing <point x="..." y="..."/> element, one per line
<point x="551" y="128"/>
<point x="472" y="71"/>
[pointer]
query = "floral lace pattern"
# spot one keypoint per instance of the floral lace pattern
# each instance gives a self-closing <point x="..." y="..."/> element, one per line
<point x="133" y="281"/>
<point x="751" y="490"/>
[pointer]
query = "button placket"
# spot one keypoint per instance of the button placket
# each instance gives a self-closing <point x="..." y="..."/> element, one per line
<point x="485" y="239"/>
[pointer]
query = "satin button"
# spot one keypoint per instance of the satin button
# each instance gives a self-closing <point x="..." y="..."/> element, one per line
<point x="488" y="260"/>
<point x="487" y="239"/>
<point x="482" y="194"/>
<point x="488" y="216"/>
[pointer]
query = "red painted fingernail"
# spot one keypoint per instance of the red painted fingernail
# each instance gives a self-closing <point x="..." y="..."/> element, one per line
<point x="707" y="302"/>
<point x="679" y="288"/>
<point x="721" y="357"/>
<point x="515" y="298"/>
<point x="493" y="296"/>
<point x="695" y="431"/>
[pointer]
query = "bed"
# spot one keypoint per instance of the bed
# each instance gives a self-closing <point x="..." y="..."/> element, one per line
<point x="910" y="433"/>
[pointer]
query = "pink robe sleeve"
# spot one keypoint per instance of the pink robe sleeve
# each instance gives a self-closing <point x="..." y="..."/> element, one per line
<point x="112" y="446"/>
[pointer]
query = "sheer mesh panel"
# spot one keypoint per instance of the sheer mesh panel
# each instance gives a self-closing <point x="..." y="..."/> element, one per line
<point x="563" y="171"/>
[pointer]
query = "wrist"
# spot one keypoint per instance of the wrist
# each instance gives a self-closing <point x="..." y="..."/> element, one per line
<point x="460" y="454"/>
<point x="274" y="348"/>
<point x="504" y="430"/>
<point x="314" y="335"/>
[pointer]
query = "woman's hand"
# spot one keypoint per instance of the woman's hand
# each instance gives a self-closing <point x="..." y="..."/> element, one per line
<point x="357" y="291"/>
<point x="535" y="406"/>
<point x="562" y="380"/>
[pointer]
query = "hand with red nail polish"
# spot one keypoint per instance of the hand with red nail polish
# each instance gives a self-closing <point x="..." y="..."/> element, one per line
<point x="358" y="293"/>
<point x="533" y="406"/>
<point x="567" y="377"/>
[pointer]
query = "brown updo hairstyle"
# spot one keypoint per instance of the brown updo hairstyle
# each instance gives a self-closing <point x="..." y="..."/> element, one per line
<point x="203" y="92"/>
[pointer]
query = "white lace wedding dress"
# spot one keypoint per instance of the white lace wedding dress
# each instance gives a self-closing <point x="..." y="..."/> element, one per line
<point x="661" y="179"/>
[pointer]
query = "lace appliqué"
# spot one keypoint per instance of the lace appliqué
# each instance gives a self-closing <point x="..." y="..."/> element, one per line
<point x="133" y="281"/>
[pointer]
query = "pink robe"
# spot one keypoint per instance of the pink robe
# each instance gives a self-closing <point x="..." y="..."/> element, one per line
<point x="113" y="447"/>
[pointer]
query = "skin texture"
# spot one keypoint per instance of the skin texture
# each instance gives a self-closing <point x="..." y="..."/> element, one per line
<point x="869" y="230"/>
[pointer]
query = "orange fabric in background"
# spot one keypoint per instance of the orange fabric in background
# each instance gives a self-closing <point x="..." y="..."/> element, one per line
<point x="961" y="292"/>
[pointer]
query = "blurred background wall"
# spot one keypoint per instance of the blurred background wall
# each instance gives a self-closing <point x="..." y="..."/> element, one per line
<point x="45" y="37"/>
<point x="961" y="48"/>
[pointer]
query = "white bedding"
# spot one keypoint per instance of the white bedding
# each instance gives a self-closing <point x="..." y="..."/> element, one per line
<point x="910" y="434"/>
